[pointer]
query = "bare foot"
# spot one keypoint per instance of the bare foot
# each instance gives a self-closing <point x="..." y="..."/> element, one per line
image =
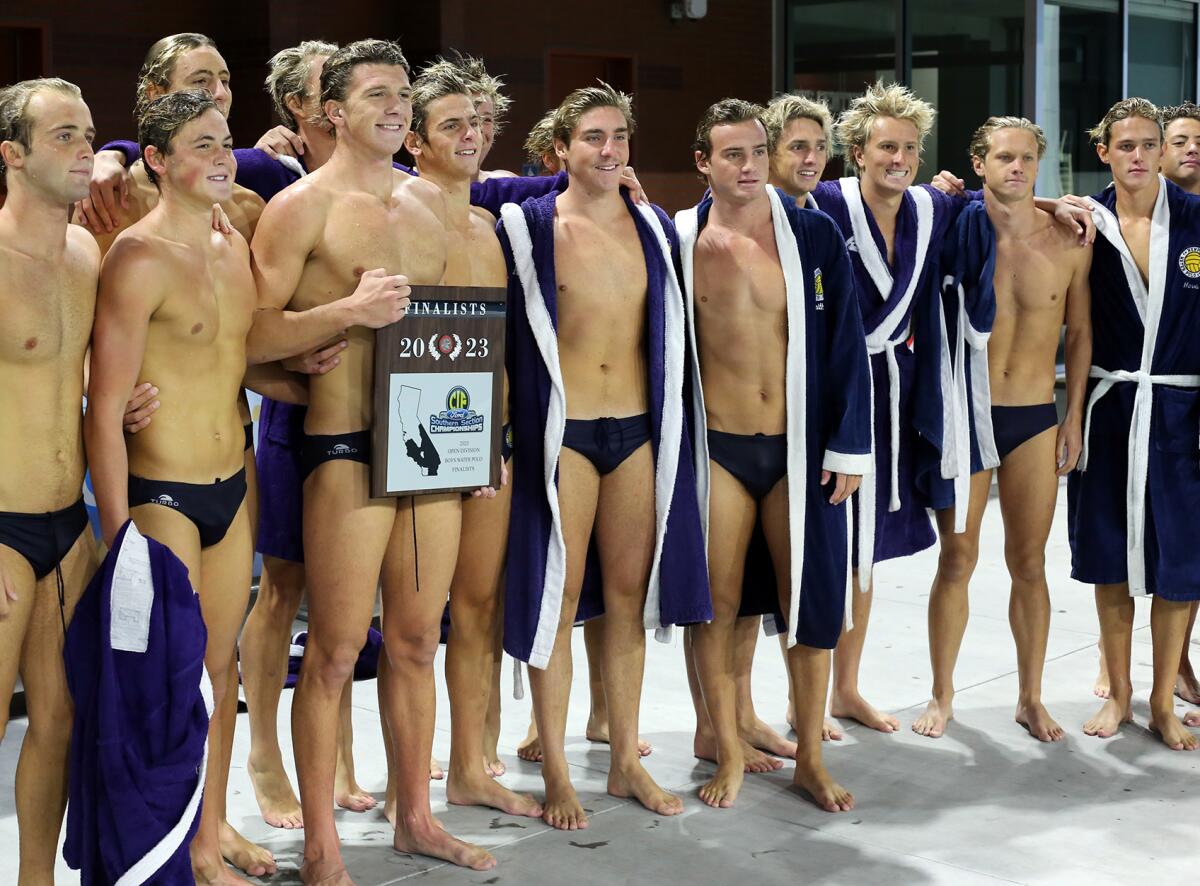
<point x="320" y="875"/>
<point x="493" y="766"/>
<point x="428" y="839"/>
<point x="1107" y="720"/>
<point x="1187" y="687"/>
<point x="1035" y="718"/>
<point x="1173" y="733"/>
<point x="214" y="872"/>
<point x="636" y="782"/>
<point x="484" y="791"/>
<point x="348" y="795"/>
<point x="1100" y="687"/>
<point x="244" y="855"/>
<point x="932" y="723"/>
<point x="830" y="730"/>
<point x="436" y="773"/>
<point x="816" y="781"/>
<point x="763" y="737"/>
<point x="276" y="800"/>
<point x="562" y="808"/>
<point x="705" y="748"/>
<point x="530" y="750"/>
<point x="1191" y="718"/>
<point x="597" y="731"/>
<point x="855" y="707"/>
<point x="722" y="789"/>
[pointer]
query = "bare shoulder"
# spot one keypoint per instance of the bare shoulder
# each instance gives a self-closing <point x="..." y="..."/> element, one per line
<point x="298" y="209"/>
<point x="82" y="245"/>
<point x="417" y="188"/>
<point x="248" y="201"/>
<point x="479" y="215"/>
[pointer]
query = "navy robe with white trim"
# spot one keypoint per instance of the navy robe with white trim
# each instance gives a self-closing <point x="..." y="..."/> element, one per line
<point x="677" y="590"/>
<point x="1130" y="503"/>
<point x="828" y="417"/>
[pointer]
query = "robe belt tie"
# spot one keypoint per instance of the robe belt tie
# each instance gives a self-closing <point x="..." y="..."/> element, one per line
<point x="1139" y="456"/>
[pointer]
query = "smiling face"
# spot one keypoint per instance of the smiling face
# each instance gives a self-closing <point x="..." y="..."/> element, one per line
<point x="486" y="109"/>
<point x="888" y="163"/>
<point x="200" y="164"/>
<point x="738" y="166"/>
<point x="1010" y="168"/>
<point x="800" y="156"/>
<point x="1133" y="153"/>
<point x="203" y="68"/>
<point x="451" y="145"/>
<point x="58" y="162"/>
<point x="377" y="110"/>
<point x="1181" y="153"/>
<point x="599" y="149"/>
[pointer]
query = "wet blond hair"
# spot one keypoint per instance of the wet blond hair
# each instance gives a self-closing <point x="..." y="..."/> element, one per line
<point x="483" y="83"/>
<point x="574" y="106"/>
<point x="539" y="144"/>
<point x="785" y="108"/>
<point x="288" y="74"/>
<point x="338" y="69"/>
<point x="1123" y="110"/>
<point x="981" y="141"/>
<point x="437" y="80"/>
<point x="881" y="99"/>
<point x="16" y="123"/>
<point x="159" y="66"/>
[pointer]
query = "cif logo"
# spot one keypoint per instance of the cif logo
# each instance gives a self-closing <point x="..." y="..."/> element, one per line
<point x="458" y="400"/>
<point x="1189" y="262"/>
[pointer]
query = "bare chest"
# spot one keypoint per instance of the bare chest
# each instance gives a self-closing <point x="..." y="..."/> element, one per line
<point x="47" y="308"/>
<point x="474" y="256"/>
<point x="600" y="273"/>
<point x="361" y="235"/>
<point x="214" y="308"/>
<point x="739" y="279"/>
<point x="1031" y="277"/>
<point x="1137" y="238"/>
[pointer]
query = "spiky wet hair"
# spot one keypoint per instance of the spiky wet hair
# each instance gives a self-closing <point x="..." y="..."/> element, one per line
<point x="437" y="80"/>
<point x="881" y="99"/>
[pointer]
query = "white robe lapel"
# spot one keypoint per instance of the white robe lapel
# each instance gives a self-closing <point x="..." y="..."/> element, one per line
<point x="538" y="317"/>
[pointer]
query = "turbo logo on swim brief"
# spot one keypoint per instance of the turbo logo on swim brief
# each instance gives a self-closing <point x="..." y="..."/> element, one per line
<point x="341" y="449"/>
<point x="1189" y="262"/>
<point x="165" y="500"/>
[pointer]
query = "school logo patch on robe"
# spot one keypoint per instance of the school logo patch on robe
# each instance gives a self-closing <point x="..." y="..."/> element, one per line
<point x="819" y="289"/>
<point x="1189" y="262"/>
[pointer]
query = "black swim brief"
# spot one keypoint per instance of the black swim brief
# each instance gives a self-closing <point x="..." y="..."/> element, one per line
<point x="757" y="461"/>
<point x="1013" y="425"/>
<point x="210" y="506"/>
<point x="249" y="429"/>
<point x="43" y="539"/>
<point x="316" y="449"/>
<point x="606" y="442"/>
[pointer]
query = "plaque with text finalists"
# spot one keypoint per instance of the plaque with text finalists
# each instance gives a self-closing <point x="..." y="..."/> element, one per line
<point x="439" y="389"/>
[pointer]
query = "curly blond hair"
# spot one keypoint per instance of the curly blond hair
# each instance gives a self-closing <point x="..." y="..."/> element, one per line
<point x="289" y="69"/>
<point x="485" y="84"/>
<point x="881" y="99"/>
<point x="539" y="144"/>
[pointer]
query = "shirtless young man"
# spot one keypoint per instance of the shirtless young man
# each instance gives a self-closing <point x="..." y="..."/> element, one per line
<point x="181" y="61"/>
<point x="48" y="272"/>
<point x="1181" y="165"/>
<point x="592" y="372"/>
<point x="182" y="479"/>
<point x="782" y="411"/>
<point x="1131" y="530"/>
<point x="445" y="139"/>
<point x="1040" y="282"/>
<point x="357" y="222"/>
